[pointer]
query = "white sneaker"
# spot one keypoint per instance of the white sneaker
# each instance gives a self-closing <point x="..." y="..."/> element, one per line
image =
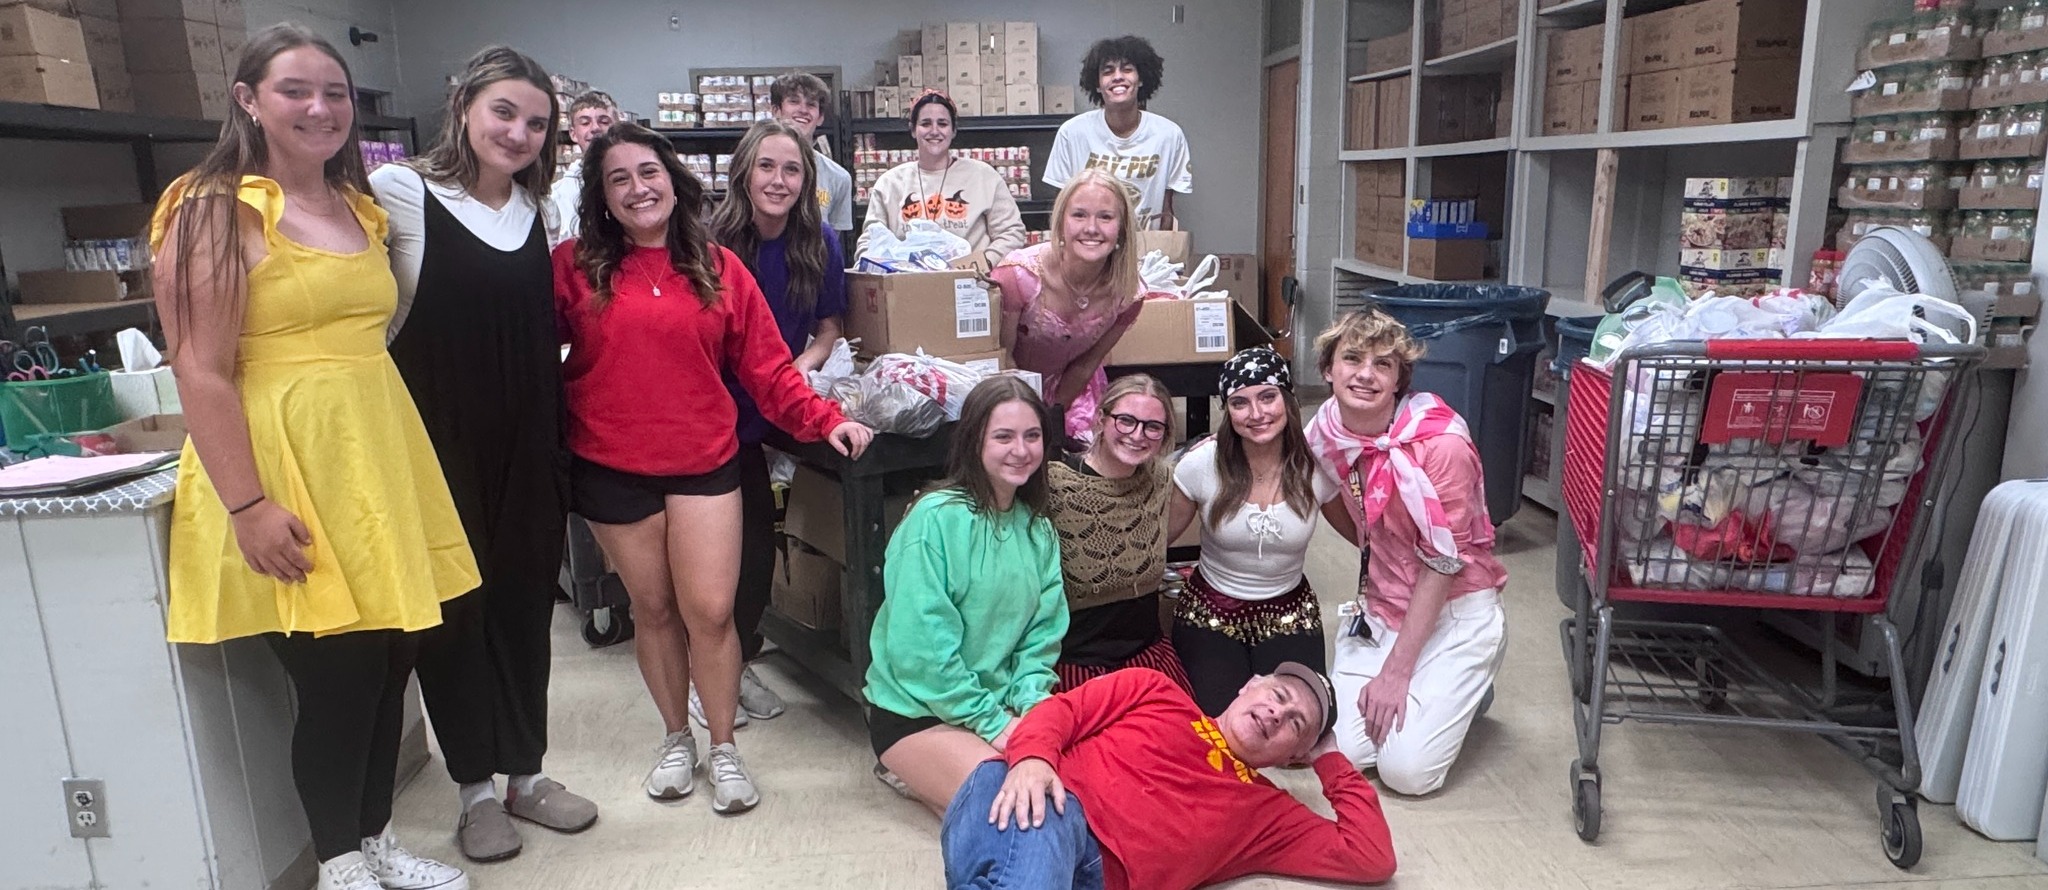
<point x="397" y="869"/>
<point x="675" y="774"/>
<point x="347" y="872"/>
<point x="739" y="715"/>
<point x="756" y="699"/>
<point x="733" y="790"/>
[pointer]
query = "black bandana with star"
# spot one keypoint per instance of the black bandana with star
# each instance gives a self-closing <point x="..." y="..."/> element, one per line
<point x="1257" y="366"/>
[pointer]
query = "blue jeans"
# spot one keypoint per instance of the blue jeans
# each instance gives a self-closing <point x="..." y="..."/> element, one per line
<point x="1060" y="855"/>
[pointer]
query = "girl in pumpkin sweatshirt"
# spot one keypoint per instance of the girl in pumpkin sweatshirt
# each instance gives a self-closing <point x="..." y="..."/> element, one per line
<point x="963" y="196"/>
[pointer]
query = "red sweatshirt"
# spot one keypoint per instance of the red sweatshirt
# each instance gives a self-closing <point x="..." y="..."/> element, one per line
<point x="1173" y="809"/>
<point x="642" y="380"/>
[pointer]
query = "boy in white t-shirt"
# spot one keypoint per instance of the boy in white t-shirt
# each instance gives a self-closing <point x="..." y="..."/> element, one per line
<point x="589" y="114"/>
<point x="1148" y="151"/>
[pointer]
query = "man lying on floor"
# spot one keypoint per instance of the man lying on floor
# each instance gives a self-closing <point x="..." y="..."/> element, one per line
<point x="1123" y="783"/>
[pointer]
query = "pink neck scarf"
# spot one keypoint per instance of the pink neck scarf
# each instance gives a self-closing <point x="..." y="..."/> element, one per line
<point x="1387" y="466"/>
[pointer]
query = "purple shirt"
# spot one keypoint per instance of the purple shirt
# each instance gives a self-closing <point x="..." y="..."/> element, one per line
<point x="771" y="271"/>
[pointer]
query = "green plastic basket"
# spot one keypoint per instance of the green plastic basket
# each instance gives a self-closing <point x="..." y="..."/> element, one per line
<point x="32" y="411"/>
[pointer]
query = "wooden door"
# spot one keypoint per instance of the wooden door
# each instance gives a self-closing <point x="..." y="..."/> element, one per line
<point x="1276" y="238"/>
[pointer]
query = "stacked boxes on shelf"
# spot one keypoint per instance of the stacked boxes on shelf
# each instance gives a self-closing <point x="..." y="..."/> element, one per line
<point x="1732" y="233"/>
<point x="2006" y="140"/>
<point x="678" y="111"/>
<point x="1462" y="108"/>
<point x="1391" y="110"/>
<point x="106" y="257"/>
<point x="1380" y="211"/>
<point x="1364" y="117"/>
<point x="986" y="68"/>
<point x="869" y="163"/>
<point x="1446" y="239"/>
<point x="1713" y="62"/>
<point x="732" y="100"/>
<point x="108" y="55"/>
<point x="1571" y="81"/>
<point x="1470" y="24"/>
<point x="43" y="58"/>
<point x="179" y="54"/>
<point x="712" y="170"/>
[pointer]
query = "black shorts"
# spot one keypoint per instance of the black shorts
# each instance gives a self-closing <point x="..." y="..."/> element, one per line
<point x="886" y="727"/>
<point x="615" y="497"/>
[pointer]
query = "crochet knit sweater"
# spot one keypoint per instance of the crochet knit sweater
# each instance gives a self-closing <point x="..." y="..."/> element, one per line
<point x="1112" y="532"/>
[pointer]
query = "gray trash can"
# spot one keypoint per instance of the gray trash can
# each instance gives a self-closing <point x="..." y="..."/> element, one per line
<point x="1482" y="341"/>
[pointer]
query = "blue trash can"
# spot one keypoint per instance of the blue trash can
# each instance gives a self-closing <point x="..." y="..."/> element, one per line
<point x="1481" y="342"/>
<point x="1574" y="341"/>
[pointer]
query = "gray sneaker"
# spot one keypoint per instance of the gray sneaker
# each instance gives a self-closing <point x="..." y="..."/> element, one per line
<point x="675" y="775"/>
<point x="739" y="716"/>
<point x="732" y="789"/>
<point x="756" y="699"/>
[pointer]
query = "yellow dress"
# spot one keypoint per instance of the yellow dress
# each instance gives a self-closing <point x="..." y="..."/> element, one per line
<point x="337" y="442"/>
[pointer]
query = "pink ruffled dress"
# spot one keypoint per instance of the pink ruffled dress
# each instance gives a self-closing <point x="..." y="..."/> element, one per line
<point x="1047" y="342"/>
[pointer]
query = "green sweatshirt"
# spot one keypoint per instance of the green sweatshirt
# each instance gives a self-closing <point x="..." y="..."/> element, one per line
<point x="972" y="615"/>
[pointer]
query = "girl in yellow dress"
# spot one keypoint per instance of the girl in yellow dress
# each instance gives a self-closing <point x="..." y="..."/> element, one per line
<point x="311" y="510"/>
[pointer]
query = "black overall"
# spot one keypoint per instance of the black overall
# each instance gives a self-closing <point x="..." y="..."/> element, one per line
<point x="481" y="355"/>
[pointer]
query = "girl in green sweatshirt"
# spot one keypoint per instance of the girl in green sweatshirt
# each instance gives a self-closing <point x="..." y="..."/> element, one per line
<point x="974" y="604"/>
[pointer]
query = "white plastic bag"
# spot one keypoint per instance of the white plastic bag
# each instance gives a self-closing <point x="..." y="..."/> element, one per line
<point x="924" y="246"/>
<point x="944" y="382"/>
<point x="838" y="364"/>
<point x="1659" y="563"/>
<point x="1844" y="575"/>
<point x="1159" y="274"/>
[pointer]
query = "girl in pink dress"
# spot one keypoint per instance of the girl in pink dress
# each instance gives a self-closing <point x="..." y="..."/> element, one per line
<point x="1066" y="302"/>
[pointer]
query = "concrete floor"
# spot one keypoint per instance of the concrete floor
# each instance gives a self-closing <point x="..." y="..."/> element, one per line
<point x="1685" y="807"/>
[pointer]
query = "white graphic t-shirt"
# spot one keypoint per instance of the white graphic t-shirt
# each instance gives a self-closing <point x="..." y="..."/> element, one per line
<point x="1153" y="160"/>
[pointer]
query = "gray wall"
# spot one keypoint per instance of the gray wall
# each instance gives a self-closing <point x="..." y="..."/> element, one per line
<point x="625" y="47"/>
<point x="373" y="65"/>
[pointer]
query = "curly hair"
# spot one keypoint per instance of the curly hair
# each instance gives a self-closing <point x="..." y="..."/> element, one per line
<point x="1372" y="332"/>
<point x="603" y="246"/>
<point x="1129" y="48"/>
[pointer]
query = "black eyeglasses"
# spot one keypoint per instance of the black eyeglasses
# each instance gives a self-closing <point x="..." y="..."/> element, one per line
<point x="1128" y="424"/>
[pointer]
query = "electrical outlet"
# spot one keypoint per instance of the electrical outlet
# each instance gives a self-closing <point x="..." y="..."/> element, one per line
<point x="85" y="806"/>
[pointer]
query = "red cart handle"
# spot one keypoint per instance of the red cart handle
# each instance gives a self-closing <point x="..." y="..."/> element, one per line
<point x="1818" y="349"/>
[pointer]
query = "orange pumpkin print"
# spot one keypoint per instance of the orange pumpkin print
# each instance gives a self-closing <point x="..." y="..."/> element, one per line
<point x="913" y="208"/>
<point x="956" y="207"/>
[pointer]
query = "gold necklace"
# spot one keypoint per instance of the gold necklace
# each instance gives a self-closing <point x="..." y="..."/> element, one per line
<point x="654" y="281"/>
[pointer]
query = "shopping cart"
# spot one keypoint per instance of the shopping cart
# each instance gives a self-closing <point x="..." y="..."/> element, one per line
<point x="1753" y="474"/>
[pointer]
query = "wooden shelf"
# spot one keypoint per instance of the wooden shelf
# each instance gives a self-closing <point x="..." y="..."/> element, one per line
<point x="1382" y="75"/>
<point x="1490" y="57"/>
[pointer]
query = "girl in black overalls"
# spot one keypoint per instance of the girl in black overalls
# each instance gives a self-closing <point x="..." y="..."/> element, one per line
<point x="475" y="339"/>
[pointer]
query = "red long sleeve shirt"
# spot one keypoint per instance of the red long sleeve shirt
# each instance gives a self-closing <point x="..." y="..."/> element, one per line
<point x="642" y="380"/>
<point x="1172" y="808"/>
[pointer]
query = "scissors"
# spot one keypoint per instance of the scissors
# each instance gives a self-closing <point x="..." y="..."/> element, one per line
<point x="34" y="358"/>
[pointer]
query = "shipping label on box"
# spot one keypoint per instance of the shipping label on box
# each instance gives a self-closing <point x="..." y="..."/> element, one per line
<point x="943" y="313"/>
<point x="171" y="45"/>
<point x="1023" y="98"/>
<point x="1169" y="332"/>
<point x="1732" y="188"/>
<point x="28" y="31"/>
<point x="1057" y="100"/>
<point x="1020" y="37"/>
<point x="47" y="80"/>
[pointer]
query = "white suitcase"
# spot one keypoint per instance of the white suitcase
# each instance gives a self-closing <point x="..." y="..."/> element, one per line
<point x="2010" y="542"/>
<point x="2005" y="772"/>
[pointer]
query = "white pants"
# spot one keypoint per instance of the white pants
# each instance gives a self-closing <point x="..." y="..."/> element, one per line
<point x="1451" y="677"/>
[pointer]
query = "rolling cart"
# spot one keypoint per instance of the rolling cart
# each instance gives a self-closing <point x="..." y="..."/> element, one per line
<point x="1768" y="475"/>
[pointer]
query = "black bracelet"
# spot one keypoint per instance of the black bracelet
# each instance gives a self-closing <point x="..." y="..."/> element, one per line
<point x="243" y="508"/>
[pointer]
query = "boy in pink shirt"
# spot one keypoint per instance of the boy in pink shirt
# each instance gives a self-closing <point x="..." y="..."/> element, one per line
<point x="1415" y="663"/>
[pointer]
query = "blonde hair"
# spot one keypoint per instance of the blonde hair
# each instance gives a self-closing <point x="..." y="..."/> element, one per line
<point x="1138" y="385"/>
<point x="1122" y="266"/>
<point x="1373" y="332"/>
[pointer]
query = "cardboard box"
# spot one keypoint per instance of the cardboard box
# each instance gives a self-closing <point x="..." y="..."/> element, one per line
<point x="116" y="90"/>
<point x="1716" y="31"/>
<point x="1020" y="37"/>
<point x="932" y="39"/>
<point x="989" y="37"/>
<point x="106" y="221"/>
<point x="1238" y="273"/>
<point x="1450" y="35"/>
<point x="1057" y="100"/>
<point x="103" y="47"/>
<point x="943" y="313"/>
<point x="143" y="393"/>
<point x="1446" y="260"/>
<point x="1999" y="43"/>
<point x="1173" y="332"/>
<point x="806" y="587"/>
<point x="2005" y="197"/>
<point x="967" y="98"/>
<point x="1564" y="107"/>
<point x="1393" y="112"/>
<point x="995" y="100"/>
<point x="47" y="80"/>
<point x="196" y="10"/>
<point x="171" y="45"/>
<point x="1386" y="53"/>
<point x="156" y="432"/>
<point x="1020" y="68"/>
<point x="991" y="67"/>
<point x="2005" y="250"/>
<point x="1738" y="92"/>
<point x="1973" y="146"/>
<point x="1388" y="249"/>
<point x="962" y="70"/>
<point x="963" y="39"/>
<point x="1393" y="180"/>
<point x="910" y="71"/>
<point x="60" y="286"/>
<point x="935" y="70"/>
<point x="816" y="513"/>
<point x="1574" y="56"/>
<point x="1483" y="26"/>
<point x="1361" y="116"/>
<point x="1653" y="102"/>
<point x="1652" y="41"/>
<point x="28" y="31"/>
<point x="197" y="95"/>
<point x="986" y="362"/>
<point x="1023" y="98"/>
<point x="1175" y="243"/>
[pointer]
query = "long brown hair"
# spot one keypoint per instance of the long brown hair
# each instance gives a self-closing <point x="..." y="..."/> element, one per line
<point x="213" y="224"/>
<point x="452" y="160"/>
<point x="1234" y="471"/>
<point x="966" y="478"/>
<point x="1122" y="266"/>
<point x="732" y="224"/>
<point x="603" y="247"/>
